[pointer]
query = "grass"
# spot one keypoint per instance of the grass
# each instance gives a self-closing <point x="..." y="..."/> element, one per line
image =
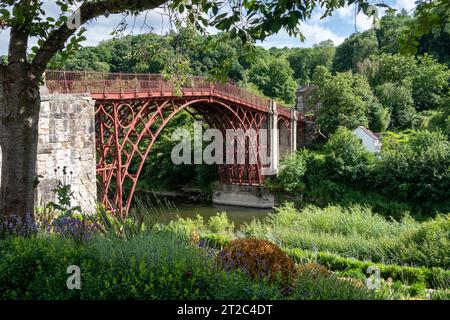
<point x="357" y="232"/>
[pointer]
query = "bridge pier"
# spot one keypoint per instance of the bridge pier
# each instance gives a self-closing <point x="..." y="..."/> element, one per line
<point x="293" y="130"/>
<point x="277" y="139"/>
<point x="272" y="127"/>
<point x="66" y="139"/>
<point x="243" y="195"/>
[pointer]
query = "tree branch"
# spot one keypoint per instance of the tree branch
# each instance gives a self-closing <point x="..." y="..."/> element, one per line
<point x="88" y="11"/>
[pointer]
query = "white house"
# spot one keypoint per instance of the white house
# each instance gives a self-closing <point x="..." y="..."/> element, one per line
<point x="371" y="141"/>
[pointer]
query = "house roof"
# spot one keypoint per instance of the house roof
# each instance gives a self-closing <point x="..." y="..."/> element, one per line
<point x="305" y="88"/>
<point x="375" y="136"/>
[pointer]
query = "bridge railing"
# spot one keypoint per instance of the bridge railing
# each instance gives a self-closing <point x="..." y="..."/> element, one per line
<point x="60" y="81"/>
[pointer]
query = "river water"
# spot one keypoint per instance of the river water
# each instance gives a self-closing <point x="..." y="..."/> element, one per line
<point x="165" y="209"/>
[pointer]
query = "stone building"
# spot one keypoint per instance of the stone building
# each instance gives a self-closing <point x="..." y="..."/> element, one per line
<point x="308" y="131"/>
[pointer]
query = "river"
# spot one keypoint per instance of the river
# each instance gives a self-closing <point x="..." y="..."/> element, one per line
<point x="167" y="208"/>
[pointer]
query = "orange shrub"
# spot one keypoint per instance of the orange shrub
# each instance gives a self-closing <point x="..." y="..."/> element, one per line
<point x="259" y="259"/>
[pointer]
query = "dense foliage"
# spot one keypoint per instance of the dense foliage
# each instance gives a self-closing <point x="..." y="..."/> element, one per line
<point x="345" y="156"/>
<point x="412" y="168"/>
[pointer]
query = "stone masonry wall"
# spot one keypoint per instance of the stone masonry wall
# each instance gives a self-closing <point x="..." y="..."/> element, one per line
<point x="67" y="138"/>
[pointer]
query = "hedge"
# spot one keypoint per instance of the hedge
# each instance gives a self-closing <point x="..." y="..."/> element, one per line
<point x="434" y="278"/>
<point x="431" y="277"/>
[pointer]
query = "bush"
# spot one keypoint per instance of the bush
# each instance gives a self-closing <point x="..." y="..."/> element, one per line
<point x="292" y="170"/>
<point x="330" y="287"/>
<point x="346" y="157"/>
<point x="416" y="170"/>
<point x="258" y="258"/>
<point x="35" y="268"/>
<point x="149" y="266"/>
<point x="431" y="242"/>
<point x="220" y="224"/>
<point x="185" y="227"/>
<point x="430" y="277"/>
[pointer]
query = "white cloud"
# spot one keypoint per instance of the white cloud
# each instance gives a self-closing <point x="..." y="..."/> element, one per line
<point x="316" y="33"/>
<point x="405" y="4"/>
<point x="313" y="32"/>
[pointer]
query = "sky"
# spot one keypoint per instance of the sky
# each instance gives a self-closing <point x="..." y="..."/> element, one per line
<point x="336" y="28"/>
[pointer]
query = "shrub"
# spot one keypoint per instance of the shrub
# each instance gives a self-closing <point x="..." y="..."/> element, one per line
<point x="185" y="227"/>
<point x="292" y="170"/>
<point x="79" y="230"/>
<point x="220" y="224"/>
<point x="346" y="157"/>
<point x="431" y="242"/>
<point x="330" y="287"/>
<point x="258" y="258"/>
<point x="417" y="170"/>
<point x="148" y="266"/>
<point x="216" y="241"/>
<point x="431" y="277"/>
<point x="35" y="267"/>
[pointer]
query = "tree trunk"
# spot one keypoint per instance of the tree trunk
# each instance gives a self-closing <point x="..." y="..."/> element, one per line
<point x="19" y="117"/>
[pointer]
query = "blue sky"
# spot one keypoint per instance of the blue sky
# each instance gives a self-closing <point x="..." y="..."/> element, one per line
<point x="337" y="27"/>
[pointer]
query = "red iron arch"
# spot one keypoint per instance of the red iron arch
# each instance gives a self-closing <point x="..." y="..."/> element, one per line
<point x="127" y="130"/>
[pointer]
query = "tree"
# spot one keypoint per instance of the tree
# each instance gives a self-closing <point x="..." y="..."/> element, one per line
<point x="320" y="76"/>
<point x="354" y="49"/>
<point x="427" y="78"/>
<point x="346" y="157"/>
<point x="89" y="58"/>
<point x="21" y="76"/>
<point x="417" y="169"/>
<point x="379" y="117"/>
<point x="273" y="76"/>
<point x="304" y="61"/>
<point x="430" y="83"/>
<point x="428" y="31"/>
<point x="397" y="97"/>
<point x="389" y="68"/>
<point x="391" y="31"/>
<point x="344" y="101"/>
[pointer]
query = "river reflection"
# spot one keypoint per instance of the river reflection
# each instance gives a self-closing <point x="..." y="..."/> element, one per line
<point x="168" y="208"/>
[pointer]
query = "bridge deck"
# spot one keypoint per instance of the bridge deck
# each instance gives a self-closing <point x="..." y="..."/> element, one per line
<point x="125" y="86"/>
